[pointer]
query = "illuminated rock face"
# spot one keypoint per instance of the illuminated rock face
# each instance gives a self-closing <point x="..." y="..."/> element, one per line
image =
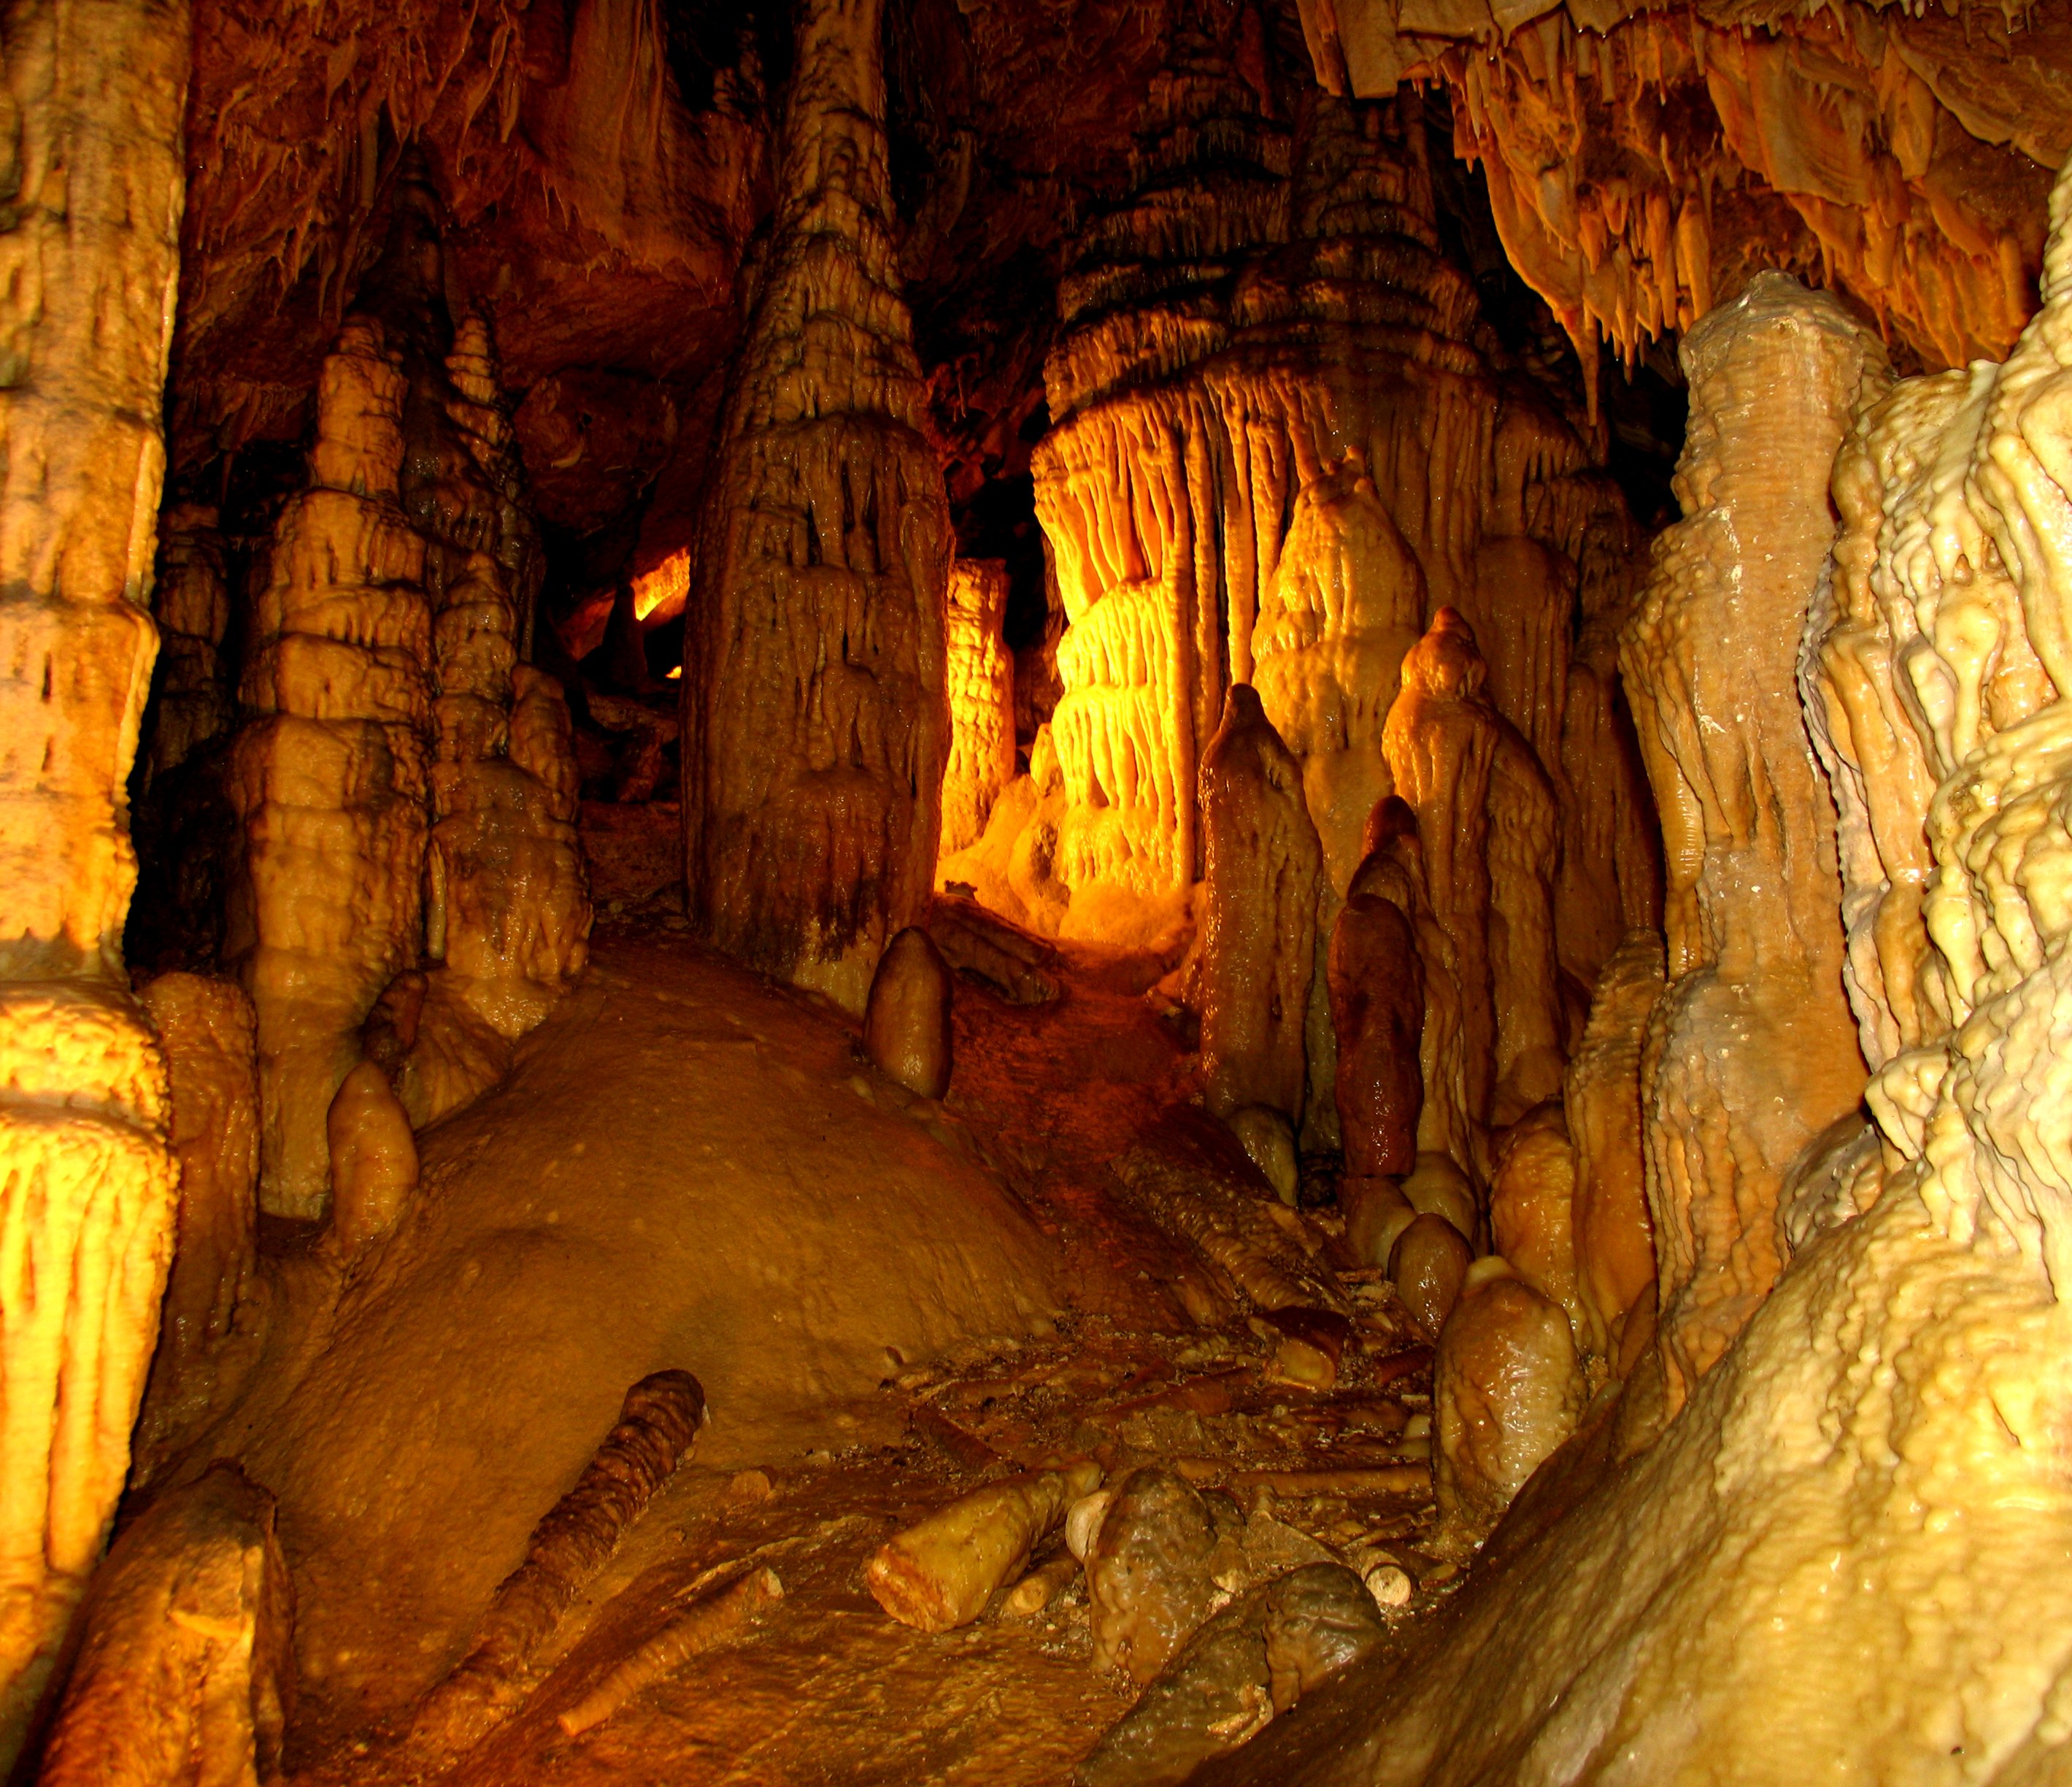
<point x="1886" y="1418"/>
<point x="1756" y="1050"/>
<point x="87" y="1182"/>
<point x="815" y="718"/>
<point x="982" y="683"/>
<point x="1277" y="452"/>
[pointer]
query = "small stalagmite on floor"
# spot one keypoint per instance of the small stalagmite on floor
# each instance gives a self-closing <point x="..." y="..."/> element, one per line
<point x="906" y="1023"/>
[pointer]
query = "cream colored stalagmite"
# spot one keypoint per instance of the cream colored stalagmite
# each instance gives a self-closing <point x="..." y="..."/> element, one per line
<point x="816" y="722"/>
<point x="1755" y="1050"/>
<point x="95" y="92"/>
<point x="1844" y="1559"/>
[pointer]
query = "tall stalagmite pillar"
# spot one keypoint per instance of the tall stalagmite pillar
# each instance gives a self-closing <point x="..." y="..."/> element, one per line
<point x="1752" y="1050"/>
<point x="96" y="91"/>
<point x="815" y="723"/>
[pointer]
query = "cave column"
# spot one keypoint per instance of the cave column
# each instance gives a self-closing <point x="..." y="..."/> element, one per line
<point x="816" y="716"/>
<point x="1753" y="1049"/>
<point x="95" y="167"/>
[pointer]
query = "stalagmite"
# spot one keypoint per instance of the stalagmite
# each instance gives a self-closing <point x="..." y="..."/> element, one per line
<point x="1377" y="988"/>
<point x="205" y="1033"/>
<point x="87" y="1182"/>
<point x="373" y="1159"/>
<point x="1525" y="848"/>
<point x="186" y="1673"/>
<point x="1429" y="1263"/>
<point x="1345" y="603"/>
<point x="1259" y="914"/>
<point x="1532" y="1209"/>
<point x="1394" y="870"/>
<point x="1756" y="1051"/>
<point x="1507" y="1389"/>
<point x="815" y="718"/>
<point x="1437" y="1186"/>
<point x="907" y="1020"/>
<point x="940" y="1574"/>
<point x="1441" y="740"/>
<point x="1614" y="1238"/>
<point x="330" y="779"/>
<point x="981" y="690"/>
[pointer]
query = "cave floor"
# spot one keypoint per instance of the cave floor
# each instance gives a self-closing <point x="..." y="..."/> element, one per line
<point x="888" y="1301"/>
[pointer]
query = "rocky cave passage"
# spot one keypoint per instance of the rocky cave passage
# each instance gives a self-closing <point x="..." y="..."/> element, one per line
<point x="1113" y="891"/>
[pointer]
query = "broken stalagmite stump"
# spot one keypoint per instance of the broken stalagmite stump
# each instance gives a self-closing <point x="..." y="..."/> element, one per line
<point x="570" y="1544"/>
<point x="941" y="1573"/>
<point x="906" y="1023"/>
<point x="186" y="1669"/>
<point x="1260" y="915"/>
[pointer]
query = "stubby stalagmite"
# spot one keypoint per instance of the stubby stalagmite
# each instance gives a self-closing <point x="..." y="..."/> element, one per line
<point x="907" y="1020"/>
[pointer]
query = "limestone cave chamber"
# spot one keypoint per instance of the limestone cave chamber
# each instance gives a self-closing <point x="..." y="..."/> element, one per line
<point x="1054" y="893"/>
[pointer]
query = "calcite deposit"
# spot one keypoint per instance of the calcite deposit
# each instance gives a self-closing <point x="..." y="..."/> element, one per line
<point x="86" y="1179"/>
<point x="1752" y="1050"/>
<point x="1209" y="880"/>
<point x="816" y="709"/>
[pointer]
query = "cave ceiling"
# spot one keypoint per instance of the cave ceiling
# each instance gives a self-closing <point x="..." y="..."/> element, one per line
<point x="606" y="168"/>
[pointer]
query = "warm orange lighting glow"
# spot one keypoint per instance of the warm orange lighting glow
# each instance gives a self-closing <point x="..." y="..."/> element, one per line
<point x="659" y="595"/>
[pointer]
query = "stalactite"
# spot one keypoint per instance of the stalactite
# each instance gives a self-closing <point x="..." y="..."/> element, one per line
<point x="91" y="245"/>
<point x="1754" y="1051"/>
<point x="816" y="721"/>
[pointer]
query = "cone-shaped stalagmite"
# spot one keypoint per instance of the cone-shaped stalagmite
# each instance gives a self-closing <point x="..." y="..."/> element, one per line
<point x="816" y="722"/>
<point x="1259" y="915"/>
<point x="90" y="237"/>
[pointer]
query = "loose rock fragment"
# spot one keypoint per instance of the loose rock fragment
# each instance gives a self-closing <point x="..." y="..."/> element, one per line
<point x="186" y="1670"/>
<point x="1151" y="1573"/>
<point x="1041" y="1586"/>
<point x="940" y="1574"/>
<point x="1250" y="1662"/>
<point x="714" y="1619"/>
